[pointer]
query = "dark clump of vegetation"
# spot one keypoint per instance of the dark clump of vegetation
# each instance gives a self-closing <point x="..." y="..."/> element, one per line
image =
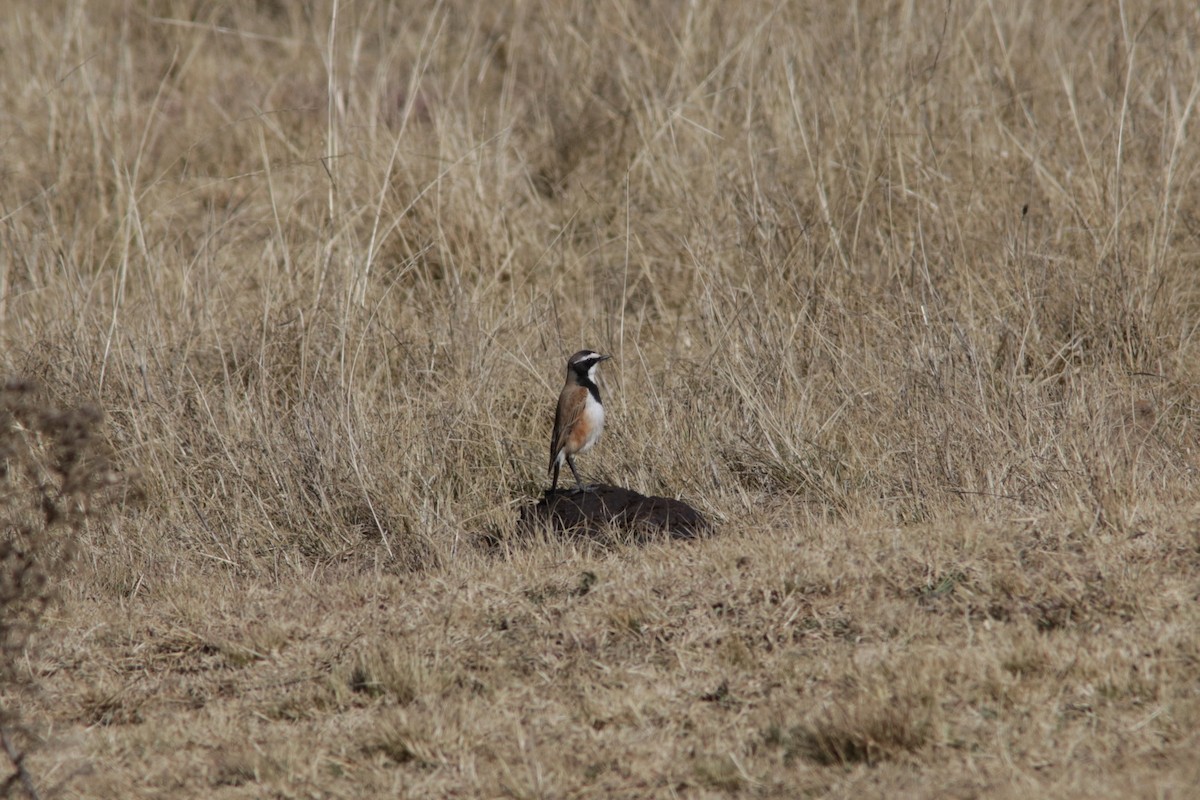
<point x="53" y="471"/>
<point x="868" y="733"/>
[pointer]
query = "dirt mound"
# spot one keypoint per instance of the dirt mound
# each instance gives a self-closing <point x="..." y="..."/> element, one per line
<point x="603" y="506"/>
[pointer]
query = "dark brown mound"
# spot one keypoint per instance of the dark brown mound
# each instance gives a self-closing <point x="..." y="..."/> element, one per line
<point x="603" y="507"/>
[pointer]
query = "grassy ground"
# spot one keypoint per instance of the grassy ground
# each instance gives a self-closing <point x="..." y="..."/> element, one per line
<point x="903" y="295"/>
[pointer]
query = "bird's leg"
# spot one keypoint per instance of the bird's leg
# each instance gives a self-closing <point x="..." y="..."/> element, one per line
<point x="554" y="482"/>
<point x="579" y="486"/>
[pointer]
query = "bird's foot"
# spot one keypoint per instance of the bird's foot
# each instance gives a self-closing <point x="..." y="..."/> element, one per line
<point x="583" y="487"/>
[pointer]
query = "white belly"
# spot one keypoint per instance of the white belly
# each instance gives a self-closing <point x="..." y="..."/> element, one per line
<point x="593" y="412"/>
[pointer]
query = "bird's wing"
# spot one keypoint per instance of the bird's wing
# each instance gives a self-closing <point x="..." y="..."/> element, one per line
<point x="570" y="408"/>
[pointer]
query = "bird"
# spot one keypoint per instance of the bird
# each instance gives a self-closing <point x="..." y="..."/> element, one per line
<point x="579" y="418"/>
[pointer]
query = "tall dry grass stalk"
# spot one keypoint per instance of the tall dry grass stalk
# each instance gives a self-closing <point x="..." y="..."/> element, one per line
<point x="891" y="266"/>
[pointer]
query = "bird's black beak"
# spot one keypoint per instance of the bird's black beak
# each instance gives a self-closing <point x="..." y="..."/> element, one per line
<point x="604" y="358"/>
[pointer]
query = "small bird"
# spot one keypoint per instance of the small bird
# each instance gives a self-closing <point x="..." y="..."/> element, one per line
<point x="580" y="415"/>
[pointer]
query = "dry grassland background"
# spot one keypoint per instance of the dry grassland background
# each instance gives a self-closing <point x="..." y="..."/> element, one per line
<point x="903" y="295"/>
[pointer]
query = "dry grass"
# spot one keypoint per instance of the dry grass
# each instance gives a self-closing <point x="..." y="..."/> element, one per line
<point x="903" y="294"/>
